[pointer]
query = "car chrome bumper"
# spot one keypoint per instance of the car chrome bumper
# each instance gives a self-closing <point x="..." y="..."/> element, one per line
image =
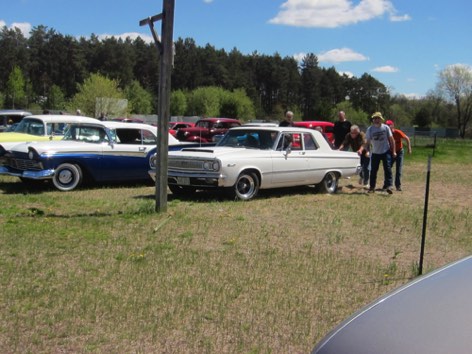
<point x="193" y="179"/>
<point x="43" y="174"/>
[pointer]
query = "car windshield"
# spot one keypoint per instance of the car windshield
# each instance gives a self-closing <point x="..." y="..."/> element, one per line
<point x="86" y="133"/>
<point x="30" y="126"/>
<point x="250" y="139"/>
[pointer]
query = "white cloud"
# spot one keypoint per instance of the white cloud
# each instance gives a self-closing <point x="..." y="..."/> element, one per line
<point x="402" y="18"/>
<point x="24" y="27"/>
<point x="333" y="13"/>
<point x="347" y="73"/>
<point x="341" y="55"/>
<point x="299" y="56"/>
<point x="385" y="69"/>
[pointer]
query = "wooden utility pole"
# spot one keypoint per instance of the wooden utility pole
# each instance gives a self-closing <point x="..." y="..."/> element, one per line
<point x="165" y="49"/>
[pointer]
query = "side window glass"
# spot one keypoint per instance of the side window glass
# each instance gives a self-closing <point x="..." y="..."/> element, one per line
<point x="148" y="138"/>
<point x="309" y="142"/>
<point x="296" y="142"/>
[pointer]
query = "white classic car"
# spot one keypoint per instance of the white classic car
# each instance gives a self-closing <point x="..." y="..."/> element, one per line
<point x="247" y="159"/>
<point x="91" y="149"/>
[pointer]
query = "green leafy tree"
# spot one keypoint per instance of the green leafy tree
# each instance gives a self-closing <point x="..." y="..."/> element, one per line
<point x="204" y="101"/>
<point x="14" y="52"/>
<point x="237" y="105"/>
<point x="56" y="99"/>
<point x="140" y="100"/>
<point x="16" y="87"/>
<point x="178" y="103"/>
<point x="455" y="84"/>
<point x="422" y="118"/>
<point x="97" y="95"/>
<point x="310" y="87"/>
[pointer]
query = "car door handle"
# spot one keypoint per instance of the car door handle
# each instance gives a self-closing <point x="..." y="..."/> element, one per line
<point x="143" y="148"/>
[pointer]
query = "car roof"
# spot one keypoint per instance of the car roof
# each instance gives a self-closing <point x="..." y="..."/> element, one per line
<point x="127" y="125"/>
<point x="219" y="119"/>
<point x="19" y="112"/>
<point x="430" y="315"/>
<point x="276" y="128"/>
<point x="62" y="118"/>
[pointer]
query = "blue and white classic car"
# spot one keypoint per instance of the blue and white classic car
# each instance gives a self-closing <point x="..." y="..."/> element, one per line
<point x="247" y="159"/>
<point x="90" y="150"/>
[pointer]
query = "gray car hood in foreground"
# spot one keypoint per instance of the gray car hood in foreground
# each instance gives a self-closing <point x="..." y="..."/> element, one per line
<point x="432" y="314"/>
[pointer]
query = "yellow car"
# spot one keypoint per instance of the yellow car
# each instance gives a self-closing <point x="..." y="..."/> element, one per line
<point x="38" y="128"/>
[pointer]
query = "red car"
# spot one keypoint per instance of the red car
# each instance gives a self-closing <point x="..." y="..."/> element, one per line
<point x="326" y="127"/>
<point x="205" y="129"/>
<point x="174" y="126"/>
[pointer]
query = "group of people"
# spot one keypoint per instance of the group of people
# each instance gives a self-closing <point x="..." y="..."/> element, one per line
<point x="382" y="142"/>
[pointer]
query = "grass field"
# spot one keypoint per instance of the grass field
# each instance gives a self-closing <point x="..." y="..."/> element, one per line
<point x="97" y="271"/>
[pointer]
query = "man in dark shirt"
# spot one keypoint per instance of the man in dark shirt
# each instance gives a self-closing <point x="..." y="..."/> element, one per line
<point x="288" y="121"/>
<point x="341" y="128"/>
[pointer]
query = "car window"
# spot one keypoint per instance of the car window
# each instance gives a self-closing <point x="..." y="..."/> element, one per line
<point x="55" y="128"/>
<point x="30" y="126"/>
<point x="89" y="134"/>
<point x="148" y="138"/>
<point x="285" y="141"/>
<point x="309" y="142"/>
<point x="296" y="142"/>
<point x="203" y="124"/>
<point x="128" y="136"/>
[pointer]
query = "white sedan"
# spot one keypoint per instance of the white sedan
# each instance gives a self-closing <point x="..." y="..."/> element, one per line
<point x="251" y="158"/>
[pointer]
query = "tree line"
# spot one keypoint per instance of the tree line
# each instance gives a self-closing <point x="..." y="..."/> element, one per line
<point x="49" y="70"/>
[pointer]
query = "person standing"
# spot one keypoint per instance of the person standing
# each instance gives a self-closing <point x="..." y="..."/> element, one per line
<point x="355" y="139"/>
<point x="288" y="120"/>
<point x="398" y="136"/>
<point x="340" y="129"/>
<point x="379" y="140"/>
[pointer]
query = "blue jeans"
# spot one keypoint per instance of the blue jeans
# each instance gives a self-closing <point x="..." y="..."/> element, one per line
<point x="365" y="161"/>
<point x="398" y="162"/>
<point x="386" y="159"/>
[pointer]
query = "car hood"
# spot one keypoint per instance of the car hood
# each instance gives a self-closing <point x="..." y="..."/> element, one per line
<point x="21" y="137"/>
<point x="215" y="152"/>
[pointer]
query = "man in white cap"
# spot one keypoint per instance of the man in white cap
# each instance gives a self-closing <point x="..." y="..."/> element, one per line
<point x="380" y="143"/>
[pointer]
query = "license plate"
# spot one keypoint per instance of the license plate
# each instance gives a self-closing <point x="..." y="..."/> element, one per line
<point x="183" y="181"/>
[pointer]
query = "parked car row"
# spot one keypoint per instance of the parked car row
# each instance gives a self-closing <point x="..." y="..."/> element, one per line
<point x="248" y="158"/>
<point x="90" y="149"/>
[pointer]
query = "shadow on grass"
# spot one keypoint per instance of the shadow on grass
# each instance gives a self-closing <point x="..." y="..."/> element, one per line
<point x="205" y="196"/>
<point x="37" y="187"/>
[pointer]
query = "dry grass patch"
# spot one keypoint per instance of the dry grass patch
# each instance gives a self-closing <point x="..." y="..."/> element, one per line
<point x="97" y="270"/>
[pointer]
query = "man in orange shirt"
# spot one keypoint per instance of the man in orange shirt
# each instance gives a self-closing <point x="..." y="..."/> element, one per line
<point x="398" y="136"/>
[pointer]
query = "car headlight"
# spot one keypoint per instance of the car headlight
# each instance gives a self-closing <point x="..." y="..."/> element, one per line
<point x="213" y="165"/>
<point x="31" y="154"/>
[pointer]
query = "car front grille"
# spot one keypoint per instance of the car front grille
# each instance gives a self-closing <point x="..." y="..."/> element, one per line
<point x="23" y="164"/>
<point x="185" y="164"/>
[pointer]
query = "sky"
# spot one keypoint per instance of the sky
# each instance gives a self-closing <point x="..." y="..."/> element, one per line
<point x="402" y="43"/>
